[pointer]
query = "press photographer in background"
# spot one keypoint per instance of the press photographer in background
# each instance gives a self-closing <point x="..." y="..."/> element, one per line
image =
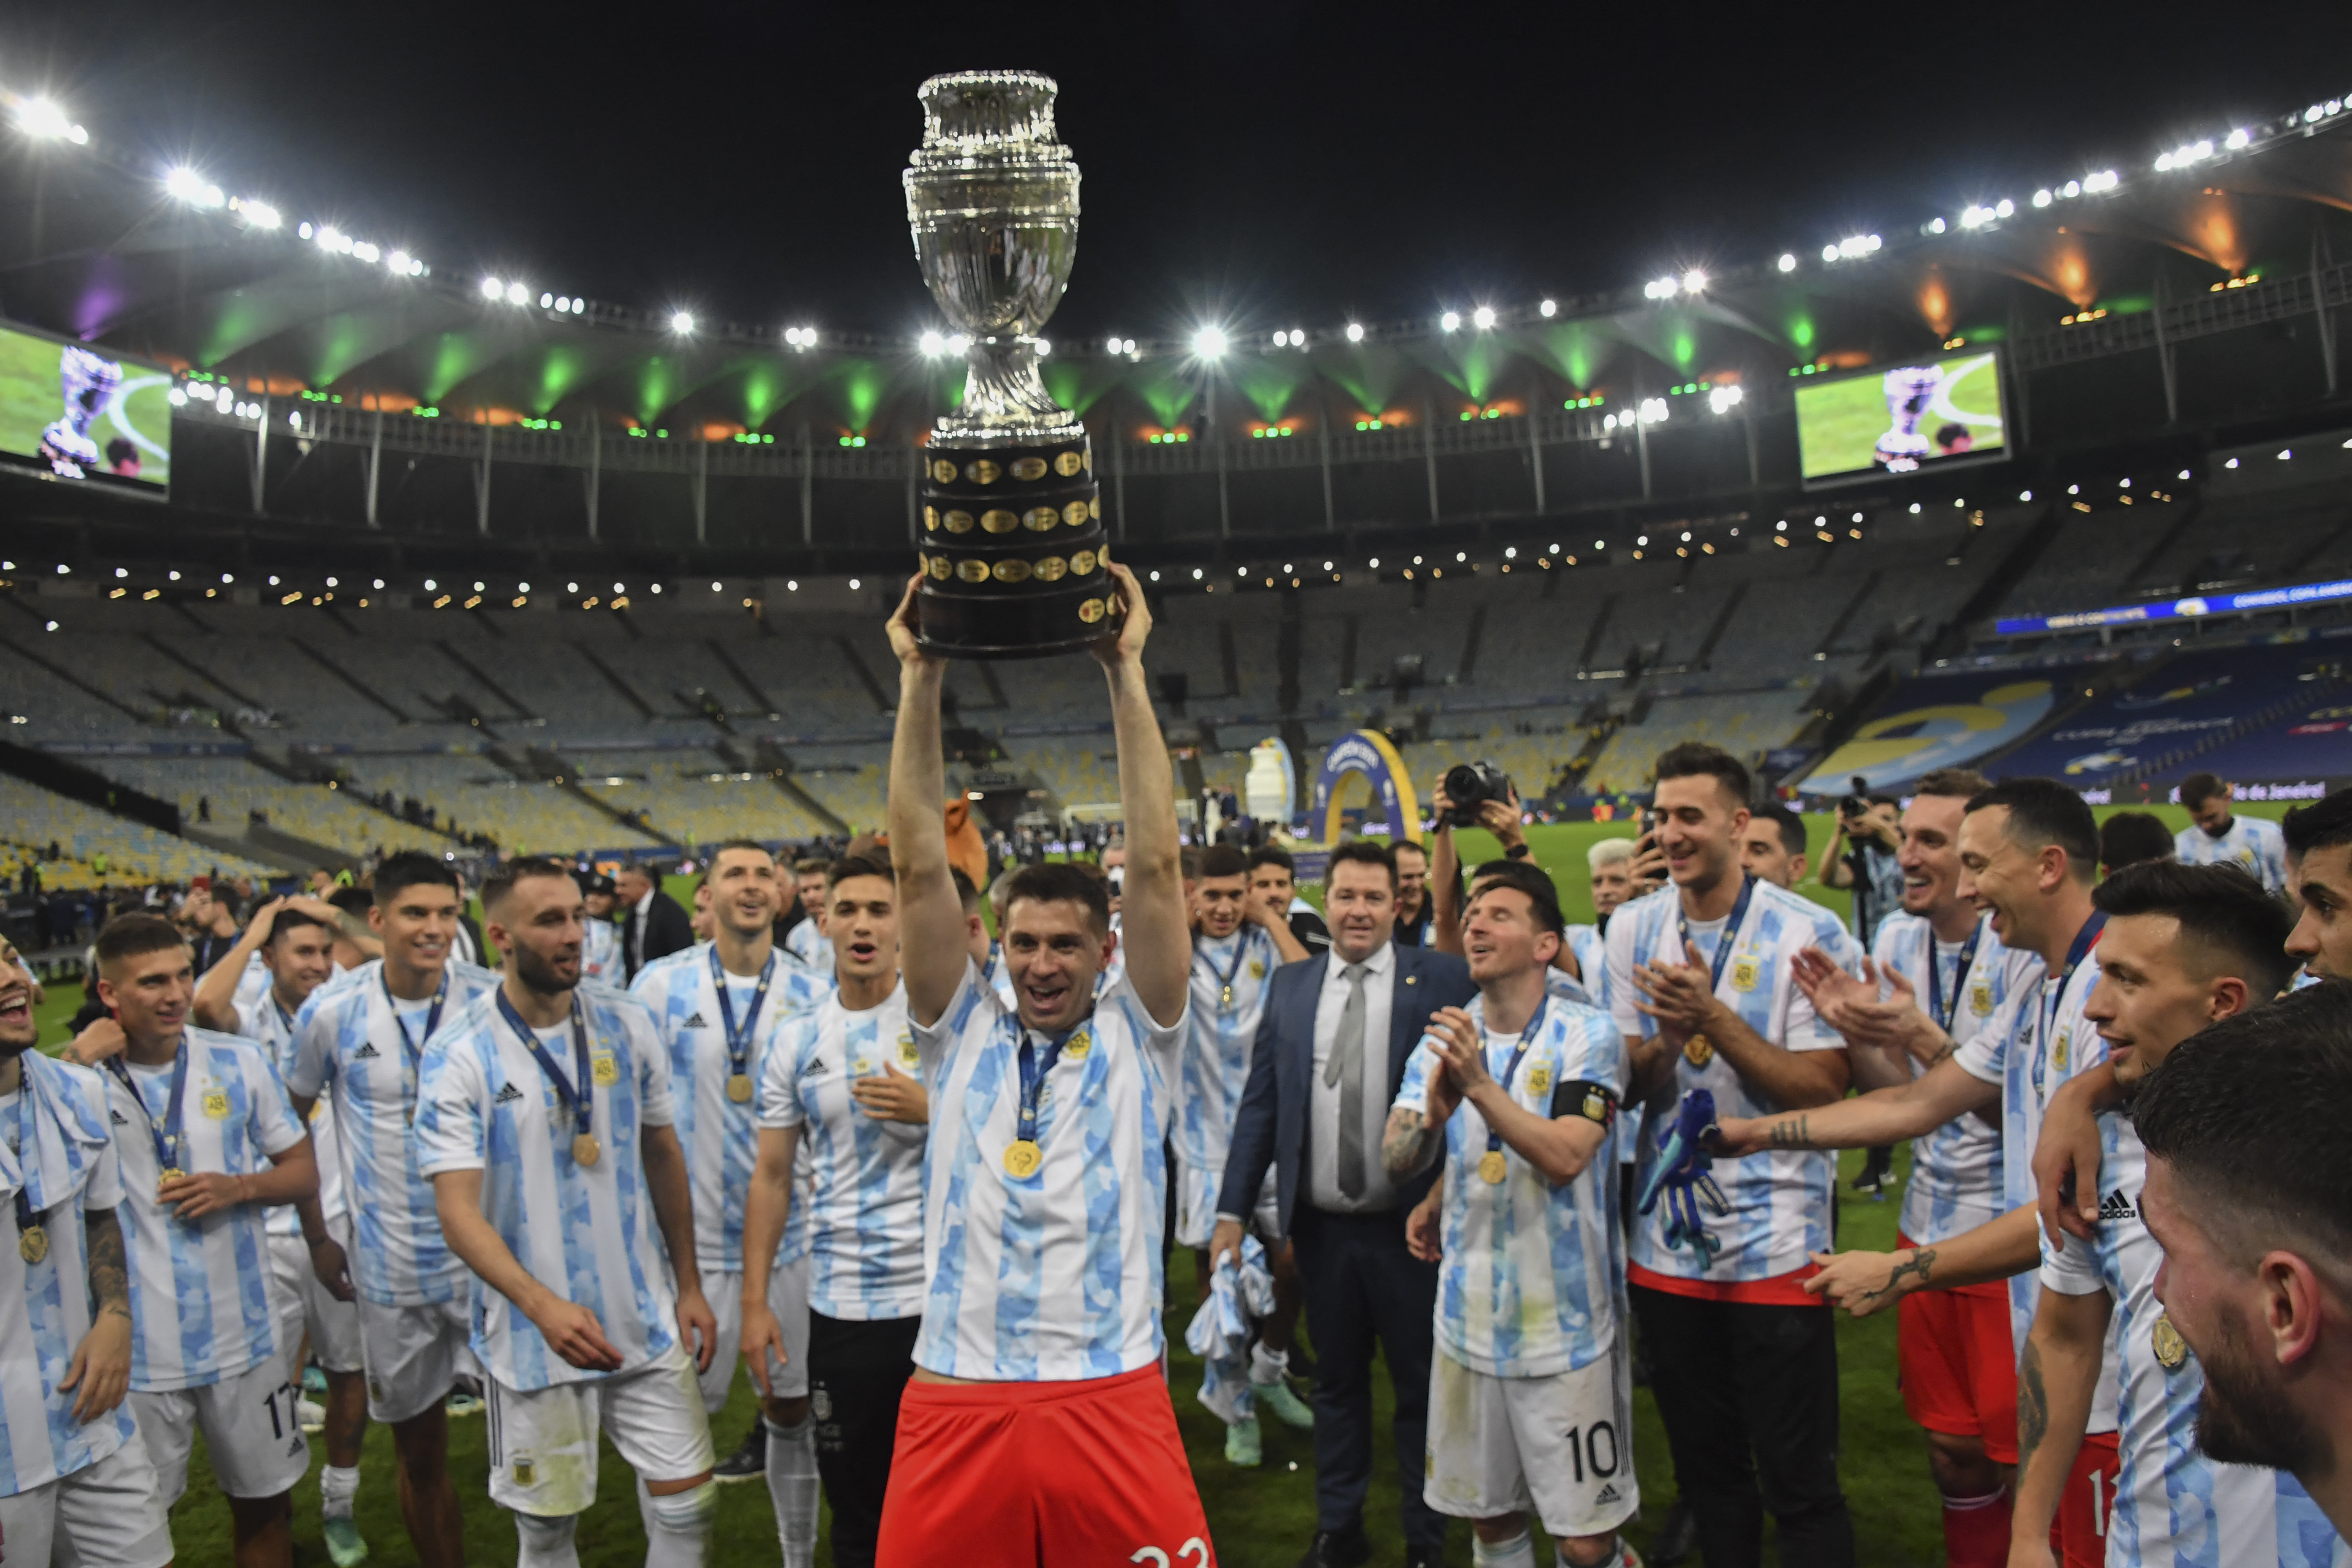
<point x="1467" y="795"/>
<point x="1861" y="856"/>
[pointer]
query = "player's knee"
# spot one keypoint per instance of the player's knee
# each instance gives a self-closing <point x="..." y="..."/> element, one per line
<point x="786" y="1412"/>
<point x="1959" y="1466"/>
<point x="543" y="1538"/>
<point x="1590" y="1551"/>
<point x="688" y="1512"/>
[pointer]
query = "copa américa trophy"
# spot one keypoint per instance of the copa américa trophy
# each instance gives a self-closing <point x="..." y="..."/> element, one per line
<point x="1012" y="537"/>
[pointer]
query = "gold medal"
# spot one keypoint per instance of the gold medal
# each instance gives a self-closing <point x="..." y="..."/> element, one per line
<point x="739" y="1087"/>
<point x="1491" y="1167"/>
<point x="1698" y="1051"/>
<point x="1022" y="1158"/>
<point x="171" y="1173"/>
<point x="1226" y="999"/>
<point x="585" y="1150"/>
<point x="2170" y="1349"/>
<point x="32" y="1244"/>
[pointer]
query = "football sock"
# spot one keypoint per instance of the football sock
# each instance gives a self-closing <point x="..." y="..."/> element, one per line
<point x="1976" y="1531"/>
<point x="1519" y="1552"/>
<point x="545" y="1543"/>
<point x="792" y="1487"/>
<point x="337" y="1488"/>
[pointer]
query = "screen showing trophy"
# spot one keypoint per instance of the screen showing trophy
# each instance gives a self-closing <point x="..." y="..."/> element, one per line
<point x="1935" y="412"/>
<point x="71" y="412"/>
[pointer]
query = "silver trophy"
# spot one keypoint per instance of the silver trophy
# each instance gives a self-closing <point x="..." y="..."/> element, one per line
<point x="1012" y="535"/>
<point x="1910" y="390"/>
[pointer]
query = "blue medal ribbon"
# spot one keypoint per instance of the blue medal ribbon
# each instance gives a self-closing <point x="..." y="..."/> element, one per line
<point x="27" y="1217"/>
<point x="414" y="1050"/>
<point x="1033" y="1071"/>
<point x="1518" y="1054"/>
<point x="1730" y="936"/>
<point x="167" y="1137"/>
<point x="738" y="1041"/>
<point x="2053" y="990"/>
<point x="1942" y="1015"/>
<point x="1225" y="981"/>
<point x="581" y="1098"/>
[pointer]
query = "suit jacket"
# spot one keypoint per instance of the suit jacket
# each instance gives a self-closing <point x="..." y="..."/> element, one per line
<point x="1270" y="1127"/>
<point x="667" y="931"/>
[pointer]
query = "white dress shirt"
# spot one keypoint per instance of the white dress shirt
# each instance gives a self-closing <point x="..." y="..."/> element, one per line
<point x="1323" y="1101"/>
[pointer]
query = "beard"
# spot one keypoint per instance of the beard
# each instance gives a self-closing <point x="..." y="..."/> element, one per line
<point x="2245" y="1416"/>
<point x="539" y="974"/>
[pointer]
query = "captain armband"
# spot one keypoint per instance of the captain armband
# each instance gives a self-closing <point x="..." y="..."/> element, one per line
<point x="1596" y="1102"/>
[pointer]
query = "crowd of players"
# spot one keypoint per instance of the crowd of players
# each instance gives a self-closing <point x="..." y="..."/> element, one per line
<point x="919" y="1185"/>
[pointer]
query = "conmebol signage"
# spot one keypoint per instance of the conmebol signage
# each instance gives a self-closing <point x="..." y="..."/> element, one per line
<point x="2189" y="608"/>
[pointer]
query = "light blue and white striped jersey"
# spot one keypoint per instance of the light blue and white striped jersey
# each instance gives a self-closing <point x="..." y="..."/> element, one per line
<point x="254" y="983"/>
<point x="1779" y="1200"/>
<point x="55" y="1149"/>
<point x="997" y="975"/>
<point x="2174" y="1507"/>
<point x="1053" y="1275"/>
<point x="1218" y="1043"/>
<point x="810" y="946"/>
<point x="859" y="1215"/>
<point x="200" y="1308"/>
<point x="719" y="1135"/>
<point x="348" y="1052"/>
<point x="1528" y="1284"/>
<point x="2254" y="845"/>
<point x="587" y="1233"/>
<point x="1591" y="951"/>
<point x="1956" y="1182"/>
<point x="599" y="952"/>
<point x="266" y="1025"/>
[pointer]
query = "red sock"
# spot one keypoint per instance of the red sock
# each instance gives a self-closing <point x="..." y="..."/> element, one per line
<point x="1976" y="1531"/>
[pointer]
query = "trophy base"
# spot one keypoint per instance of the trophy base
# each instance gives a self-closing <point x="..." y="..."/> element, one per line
<point x="1012" y="551"/>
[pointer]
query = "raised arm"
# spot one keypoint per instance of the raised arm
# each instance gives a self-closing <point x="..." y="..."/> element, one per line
<point x="215" y="1000"/>
<point x="1151" y="909"/>
<point x="930" y="917"/>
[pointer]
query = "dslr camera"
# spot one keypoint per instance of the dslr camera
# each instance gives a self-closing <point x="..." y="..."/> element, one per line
<point x="1856" y="801"/>
<point x="1468" y="786"/>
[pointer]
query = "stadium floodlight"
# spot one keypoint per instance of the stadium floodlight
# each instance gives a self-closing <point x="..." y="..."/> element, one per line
<point x="1659" y="289"/>
<point x="1723" y="399"/>
<point x="516" y="294"/>
<point x="1829" y="253"/>
<point x="1298" y="337"/>
<point x="681" y="322"/>
<point x="1196" y="574"/>
<point x="1044" y="347"/>
<point x="2104" y="180"/>
<point x="1450" y="321"/>
<point x="1355" y="332"/>
<point x="493" y="290"/>
<point x="932" y="345"/>
<point x="378" y="585"/>
<point x="2004" y="207"/>
<point x="2044" y="197"/>
<point x="546" y="301"/>
<point x="1209" y="342"/>
<point x="396" y="263"/>
<point x="2239" y="138"/>
<point x="1693" y="281"/>
<point x="1547" y="309"/>
<point x="43" y="118"/>
<point x="1483" y="318"/>
<point x="260" y="214"/>
<point x="1975" y="216"/>
<point x="365" y="251"/>
<point x="2070" y="190"/>
<point x="186" y="185"/>
<point x="1788" y="261"/>
<point x="1374" y="564"/>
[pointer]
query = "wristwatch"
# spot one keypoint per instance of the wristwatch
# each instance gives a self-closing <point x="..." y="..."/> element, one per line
<point x="1517" y="852"/>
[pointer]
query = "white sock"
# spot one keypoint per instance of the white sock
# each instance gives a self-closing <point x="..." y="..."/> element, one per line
<point x="1519" y="1552"/>
<point x="793" y="1488"/>
<point x="545" y="1543"/>
<point x="1268" y="1367"/>
<point x="336" y="1489"/>
<point x="677" y="1525"/>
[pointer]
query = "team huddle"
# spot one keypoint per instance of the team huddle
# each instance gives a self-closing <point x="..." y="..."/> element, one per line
<point x="914" y="1183"/>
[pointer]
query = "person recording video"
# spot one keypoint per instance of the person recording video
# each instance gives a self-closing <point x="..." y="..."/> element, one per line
<point x="1861" y="856"/>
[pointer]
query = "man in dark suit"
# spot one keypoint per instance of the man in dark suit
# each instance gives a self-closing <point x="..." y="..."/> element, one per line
<point x="652" y="924"/>
<point x="1329" y="1056"/>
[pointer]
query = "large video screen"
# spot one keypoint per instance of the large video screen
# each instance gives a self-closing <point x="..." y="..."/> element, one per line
<point x="68" y="411"/>
<point x="1937" y="412"/>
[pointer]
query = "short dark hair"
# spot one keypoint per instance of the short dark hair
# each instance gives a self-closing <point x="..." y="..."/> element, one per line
<point x="2133" y="838"/>
<point x="1529" y="880"/>
<point x="2221" y="911"/>
<point x="291" y="919"/>
<point x="412" y="868"/>
<point x="1693" y="758"/>
<point x="1223" y="860"/>
<point x="2243" y="1110"/>
<point x="135" y="935"/>
<point x="2198" y="788"/>
<point x="1948" y="782"/>
<point x="1363" y="851"/>
<point x="711" y="852"/>
<point x="2321" y="825"/>
<point x="1063" y="883"/>
<point x="353" y="900"/>
<point x="1791" y="825"/>
<point x="873" y="864"/>
<point x="1275" y="855"/>
<point x="811" y="865"/>
<point x="966" y="894"/>
<point x="525" y="869"/>
<point x="1399" y="845"/>
<point x="1188" y="862"/>
<point x="2043" y="811"/>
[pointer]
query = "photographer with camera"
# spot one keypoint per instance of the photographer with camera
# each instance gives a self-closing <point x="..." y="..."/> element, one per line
<point x="1861" y="856"/>
<point x="1467" y="795"/>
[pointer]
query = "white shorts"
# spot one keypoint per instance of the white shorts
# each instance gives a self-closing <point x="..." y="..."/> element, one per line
<point x="1562" y="1445"/>
<point x="1196" y="1207"/>
<point x="414" y="1354"/>
<point x="103" y="1514"/>
<point x="306" y="1307"/>
<point x="788" y="1298"/>
<point x="251" y="1433"/>
<point x="543" y="1443"/>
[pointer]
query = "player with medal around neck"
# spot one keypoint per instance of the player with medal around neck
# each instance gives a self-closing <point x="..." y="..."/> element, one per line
<point x="744" y="900"/>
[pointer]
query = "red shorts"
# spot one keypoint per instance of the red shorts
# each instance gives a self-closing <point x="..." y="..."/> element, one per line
<point x="1038" y="1474"/>
<point x="1957" y="1364"/>
<point x="2078" y="1537"/>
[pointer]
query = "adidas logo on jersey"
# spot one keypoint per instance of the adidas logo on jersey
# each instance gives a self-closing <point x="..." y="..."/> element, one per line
<point x="119" y="1120"/>
<point x="2114" y="1205"/>
<point x="366" y="1053"/>
<point x="295" y="1447"/>
<point x="1608" y="1492"/>
<point x="695" y="1023"/>
<point x="507" y="1094"/>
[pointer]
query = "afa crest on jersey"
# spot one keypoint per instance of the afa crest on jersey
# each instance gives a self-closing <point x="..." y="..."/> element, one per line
<point x="1257" y="969"/>
<point x="1746" y="970"/>
<point x="907" y="1057"/>
<point x="1981" y="998"/>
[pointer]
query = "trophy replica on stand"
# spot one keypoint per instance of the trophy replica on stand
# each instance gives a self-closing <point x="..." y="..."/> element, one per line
<point x="1909" y="391"/>
<point x="1012" y="534"/>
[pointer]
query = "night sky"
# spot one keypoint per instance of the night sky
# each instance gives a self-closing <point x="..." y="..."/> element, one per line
<point x="1270" y="164"/>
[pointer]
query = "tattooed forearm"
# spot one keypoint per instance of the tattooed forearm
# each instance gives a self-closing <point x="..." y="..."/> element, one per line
<point x="1408" y="1144"/>
<point x="1792" y="1133"/>
<point x="2032" y="1407"/>
<point x="1922" y="1264"/>
<point x="1951" y="1047"/>
<point x="110" y="1279"/>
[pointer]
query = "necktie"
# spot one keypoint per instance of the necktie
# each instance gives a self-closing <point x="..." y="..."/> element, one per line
<point x="1345" y="1068"/>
